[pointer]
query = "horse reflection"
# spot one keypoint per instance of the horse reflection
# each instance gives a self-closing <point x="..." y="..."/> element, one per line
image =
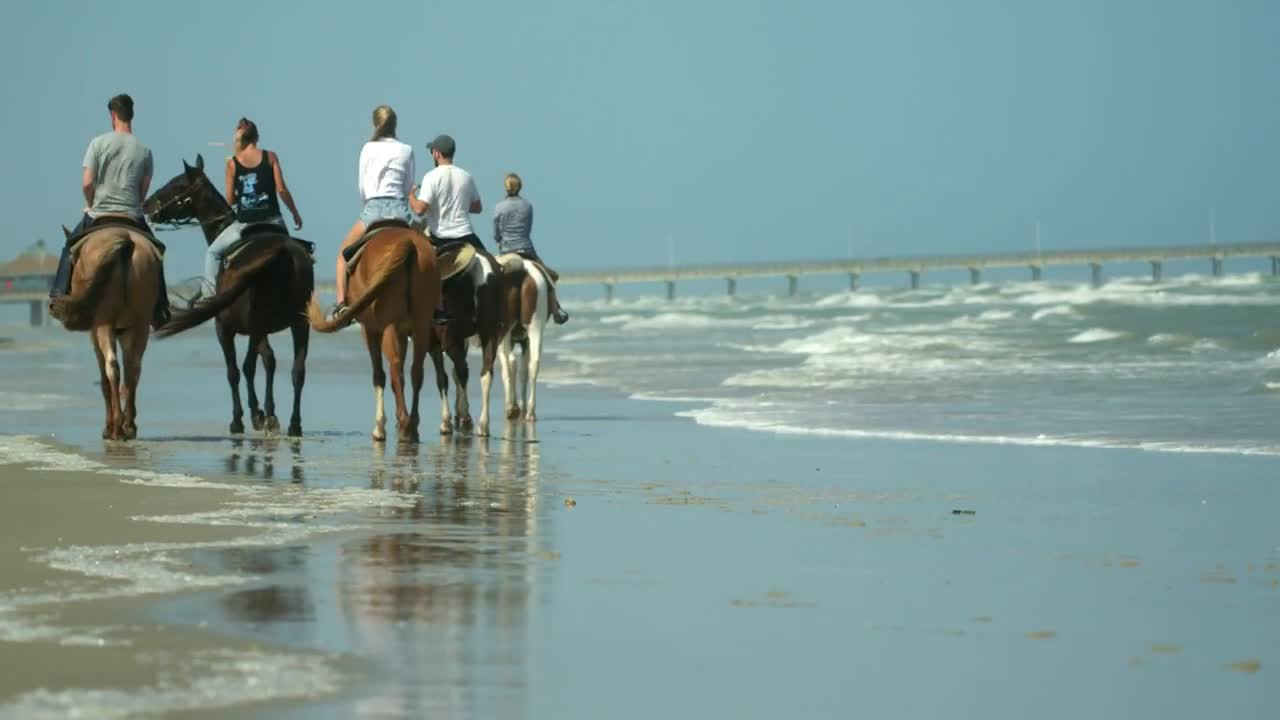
<point x="446" y="595"/>
<point x="256" y="458"/>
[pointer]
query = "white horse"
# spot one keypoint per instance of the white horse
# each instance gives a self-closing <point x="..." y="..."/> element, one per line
<point x="526" y="308"/>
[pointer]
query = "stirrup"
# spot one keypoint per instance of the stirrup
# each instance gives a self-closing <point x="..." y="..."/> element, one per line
<point x="336" y="310"/>
<point x="440" y="317"/>
<point x="560" y="316"/>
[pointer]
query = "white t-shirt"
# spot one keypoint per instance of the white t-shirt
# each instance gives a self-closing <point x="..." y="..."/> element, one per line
<point x="449" y="191"/>
<point x="386" y="169"/>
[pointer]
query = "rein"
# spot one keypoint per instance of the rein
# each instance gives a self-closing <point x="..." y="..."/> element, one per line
<point x="192" y="220"/>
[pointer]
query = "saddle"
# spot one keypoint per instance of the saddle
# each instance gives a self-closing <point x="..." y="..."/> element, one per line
<point x="352" y="254"/>
<point x="252" y="233"/>
<point x="514" y="262"/>
<point x="453" y="258"/>
<point x="75" y="242"/>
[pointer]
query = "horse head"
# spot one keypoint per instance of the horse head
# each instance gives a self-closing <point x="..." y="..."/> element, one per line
<point x="188" y="198"/>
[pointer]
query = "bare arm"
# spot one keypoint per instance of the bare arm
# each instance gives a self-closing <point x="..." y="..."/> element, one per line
<point x="419" y="207"/>
<point x="283" y="191"/>
<point x="231" y="183"/>
<point x="86" y="186"/>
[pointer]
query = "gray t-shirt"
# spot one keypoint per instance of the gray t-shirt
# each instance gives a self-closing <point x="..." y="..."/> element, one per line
<point x="513" y="224"/>
<point x="119" y="163"/>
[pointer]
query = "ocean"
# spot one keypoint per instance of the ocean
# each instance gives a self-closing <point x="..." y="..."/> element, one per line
<point x="1187" y="365"/>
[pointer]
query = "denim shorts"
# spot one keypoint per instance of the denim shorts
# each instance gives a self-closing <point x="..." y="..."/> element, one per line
<point x="383" y="207"/>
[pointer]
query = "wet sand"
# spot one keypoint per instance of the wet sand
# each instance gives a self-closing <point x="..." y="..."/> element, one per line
<point x="77" y="642"/>
<point x="627" y="563"/>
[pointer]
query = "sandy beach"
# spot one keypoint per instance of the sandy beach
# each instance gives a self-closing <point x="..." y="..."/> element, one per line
<point x="621" y="558"/>
<point x="631" y="561"/>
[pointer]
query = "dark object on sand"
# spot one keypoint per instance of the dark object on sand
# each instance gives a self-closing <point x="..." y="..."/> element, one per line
<point x="964" y="512"/>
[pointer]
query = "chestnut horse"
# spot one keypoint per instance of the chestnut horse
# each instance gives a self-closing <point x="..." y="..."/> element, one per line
<point x="393" y="290"/>
<point x="113" y="293"/>
<point x="265" y="289"/>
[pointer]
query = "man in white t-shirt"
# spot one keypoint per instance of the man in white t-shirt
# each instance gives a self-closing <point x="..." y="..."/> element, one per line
<point x="447" y="197"/>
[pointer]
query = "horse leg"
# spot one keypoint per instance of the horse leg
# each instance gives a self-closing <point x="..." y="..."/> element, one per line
<point x="373" y="342"/>
<point x="488" y="351"/>
<point x="509" y="380"/>
<point x="522" y="373"/>
<point x="301" y="341"/>
<point x="461" y="377"/>
<point x="269" y="367"/>
<point x="395" y="347"/>
<point x="104" y="346"/>
<point x="133" y="344"/>
<point x="442" y="385"/>
<point x="417" y="374"/>
<point x="227" y="339"/>
<point x="533" y="357"/>
<point x="250" y="380"/>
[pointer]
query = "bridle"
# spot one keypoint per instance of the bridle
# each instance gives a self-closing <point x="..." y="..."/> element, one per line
<point x="193" y="219"/>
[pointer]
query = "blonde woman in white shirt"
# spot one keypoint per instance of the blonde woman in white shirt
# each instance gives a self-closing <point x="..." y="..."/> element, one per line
<point x="386" y="173"/>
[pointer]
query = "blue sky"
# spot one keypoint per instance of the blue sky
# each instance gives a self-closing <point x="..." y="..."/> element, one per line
<point x="733" y="130"/>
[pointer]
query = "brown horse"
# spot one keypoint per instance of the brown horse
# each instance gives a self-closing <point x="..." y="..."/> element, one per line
<point x="113" y="293"/>
<point x="264" y="290"/>
<point x="395" y="286"/>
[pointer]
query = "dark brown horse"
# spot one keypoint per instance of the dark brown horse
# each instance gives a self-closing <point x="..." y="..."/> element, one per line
<point x="265" y="289"/>
<point x="393" y="290"/>
<point x="473" y="301"/>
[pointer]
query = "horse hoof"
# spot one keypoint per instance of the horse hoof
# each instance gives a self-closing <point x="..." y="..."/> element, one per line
<point x="531" y="418"/>
<point x="130" y="432"/>
<point x="446" y="427"/>
<point x="409" y="438"/>
<point x="379" y="435"/>
<point x="273" y="424"/>
<point x="482" y="430"/>
<point x="513" y="413"/>
<point x="237" y="427"/>
<point x="295" y="430"/>
<point x="258" y="419"/>
<point x="465" y="422"/>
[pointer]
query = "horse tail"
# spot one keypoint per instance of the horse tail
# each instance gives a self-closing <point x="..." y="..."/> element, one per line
<point x="244" y="277"/>
<point x="397" y="259"/>
<point x="76" y="311"/>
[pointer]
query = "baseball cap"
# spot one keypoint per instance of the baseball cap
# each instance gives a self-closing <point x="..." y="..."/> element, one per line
<point x="444" y="144"/>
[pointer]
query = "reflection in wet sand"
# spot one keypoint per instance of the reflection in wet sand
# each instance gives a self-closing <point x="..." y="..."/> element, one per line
<point x="255" y="458"/>
<point x="445" y="600"/>
<point x="441" y="598"/>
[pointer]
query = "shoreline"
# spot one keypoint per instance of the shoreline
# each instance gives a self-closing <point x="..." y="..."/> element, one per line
<point x="83" y="562"/>
<point x="457" y="578"/>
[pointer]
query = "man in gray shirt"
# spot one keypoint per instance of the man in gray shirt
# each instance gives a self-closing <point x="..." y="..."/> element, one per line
<point x="117" y="175"/>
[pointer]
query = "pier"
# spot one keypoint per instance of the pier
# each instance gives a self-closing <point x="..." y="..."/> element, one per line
<point x="914" y="268"/>
<point x="26" y="279"/>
